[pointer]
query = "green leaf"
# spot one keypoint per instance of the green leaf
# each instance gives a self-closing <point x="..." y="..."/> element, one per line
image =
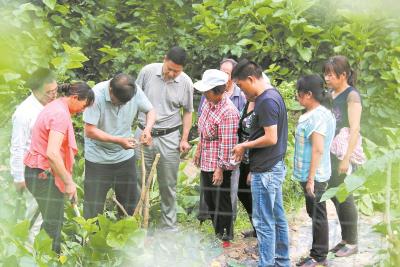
<point x="21" y="230"/>
<point x="365" y="205"/>
<point x="43" y="243"/>
<point x="98" y="241"/>
<point x="116" y="240"/>
<point x="245" y="42"/>
<point x="63" y="9"/>
<point x="62" y="259"/>
<point x="330" y="193"/>
<point x="264" y="11"/>
<point x="279" y="12"/>
<point x="50" y="3"/>
<point x="312" y="29"/>
<point x="353" y="182"/>
<point x="9" y="76"/>
<point x="57" y="61"/>
<point x="291" y="40"/>
<point x="304" y="52"/>
<point x="342" y="193"/>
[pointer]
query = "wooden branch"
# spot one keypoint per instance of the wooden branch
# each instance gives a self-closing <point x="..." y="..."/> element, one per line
<point x="146" y="186"/>
<point x="143" y="163"/>
<point x="146" y="209"/>
<point x="119" y="205"/>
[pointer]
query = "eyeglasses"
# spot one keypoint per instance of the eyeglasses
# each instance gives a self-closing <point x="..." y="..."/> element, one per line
<point x="51" y="93"/>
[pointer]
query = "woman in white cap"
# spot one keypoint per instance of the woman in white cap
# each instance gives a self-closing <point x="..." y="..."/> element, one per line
<point x="217" y="127"/>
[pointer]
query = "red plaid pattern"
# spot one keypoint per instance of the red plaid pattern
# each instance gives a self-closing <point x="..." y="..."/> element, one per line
<point x="217" y="127"/>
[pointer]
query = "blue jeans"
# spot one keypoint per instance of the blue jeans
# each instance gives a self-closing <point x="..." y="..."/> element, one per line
<point x="269" y="216"/>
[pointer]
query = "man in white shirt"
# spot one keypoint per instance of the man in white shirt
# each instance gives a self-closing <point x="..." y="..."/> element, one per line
<point x="44" y="89"/>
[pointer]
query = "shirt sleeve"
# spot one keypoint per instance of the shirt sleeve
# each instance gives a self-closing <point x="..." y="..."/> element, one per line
<point x="19" y="143"/>
<point x="144" y="104"/>
<point x="140" y="78"/>
<point x="316" y="124"/>
<point x="268" y="113"/>
<point x="227" y="139"/>
<point x="187" y="102"/>
<point x="91" y="114"/>
<point x="353" y="97"/>
<point x="58" y="121"/>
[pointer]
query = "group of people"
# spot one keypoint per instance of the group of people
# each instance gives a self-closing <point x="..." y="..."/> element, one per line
<point x="243" y="134"/>
<point x="43" y="142"/>
<point x="242" y="149"/>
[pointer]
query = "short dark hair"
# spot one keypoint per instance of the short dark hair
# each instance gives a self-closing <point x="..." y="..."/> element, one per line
<point x="230" y="60"/>
<point x="177" y="55"/>
<point x="123" y="87"/>
<point x="219" y="89"/>
<point x="39" y="78"/>
<point x="246" y="68"/>
<point x="80" y="89"/>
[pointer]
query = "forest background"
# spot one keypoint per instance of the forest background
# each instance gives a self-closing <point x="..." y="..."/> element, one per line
<point x="92" y="40"/>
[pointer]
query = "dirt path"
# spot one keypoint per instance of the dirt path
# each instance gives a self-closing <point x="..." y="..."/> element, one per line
<point x="300" y="242"/>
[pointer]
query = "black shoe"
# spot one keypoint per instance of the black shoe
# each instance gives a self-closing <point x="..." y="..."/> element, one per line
<point x="249" y="233"/>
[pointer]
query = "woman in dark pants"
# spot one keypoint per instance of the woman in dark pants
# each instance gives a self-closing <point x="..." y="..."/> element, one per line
<point x="347" y="109"/>
<point x="217" y="127"/>
<point x="312" y="163"/>
<point x="244" y="190"/>
<point x="49" y="160"/>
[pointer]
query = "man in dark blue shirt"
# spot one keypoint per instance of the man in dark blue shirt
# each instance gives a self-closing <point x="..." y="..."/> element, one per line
<point x="267" y="147"/>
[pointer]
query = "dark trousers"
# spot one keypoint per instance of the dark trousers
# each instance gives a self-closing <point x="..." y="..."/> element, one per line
<point x="244" y="190"/>
<point x="218" y="199"/>
<point x="50" y="201"/>
<point x="320" y="228"/>
<point x="347" y="210"/>
<point x="99" y="178"/>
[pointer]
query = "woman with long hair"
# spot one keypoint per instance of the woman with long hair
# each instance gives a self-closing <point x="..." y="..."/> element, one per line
<point x="347" y="108"/>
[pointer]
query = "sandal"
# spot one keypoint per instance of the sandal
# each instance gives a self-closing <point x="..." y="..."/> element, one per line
<point x="337" y="247"/>
<point x="346" y="251"/>
<point x="303" y="260"/>
<point x="310" y="262"/>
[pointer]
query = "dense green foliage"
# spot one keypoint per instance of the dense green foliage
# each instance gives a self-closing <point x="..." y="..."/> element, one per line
<point x="93" y="39"/>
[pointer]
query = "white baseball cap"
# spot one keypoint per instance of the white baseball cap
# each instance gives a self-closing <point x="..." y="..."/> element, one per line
<point x="210" y="79"/>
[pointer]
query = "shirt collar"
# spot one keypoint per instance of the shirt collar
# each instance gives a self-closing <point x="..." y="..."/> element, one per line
<point x="35" y="101"/>
<point x="236" y="91"/>
<point x="219" y="104"/>
<point x="308" y="114"/>
<point x="160" y="74"/>
<point x="107" y="91"/>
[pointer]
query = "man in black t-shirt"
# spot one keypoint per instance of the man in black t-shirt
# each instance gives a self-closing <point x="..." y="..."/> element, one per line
<point x="267" y="145"/>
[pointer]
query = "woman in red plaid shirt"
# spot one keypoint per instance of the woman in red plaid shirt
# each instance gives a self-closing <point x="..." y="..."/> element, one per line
<point x="218" y="124"/>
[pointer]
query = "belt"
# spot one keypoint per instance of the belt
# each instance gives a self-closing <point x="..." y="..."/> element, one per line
<point x="160" y="132"/>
